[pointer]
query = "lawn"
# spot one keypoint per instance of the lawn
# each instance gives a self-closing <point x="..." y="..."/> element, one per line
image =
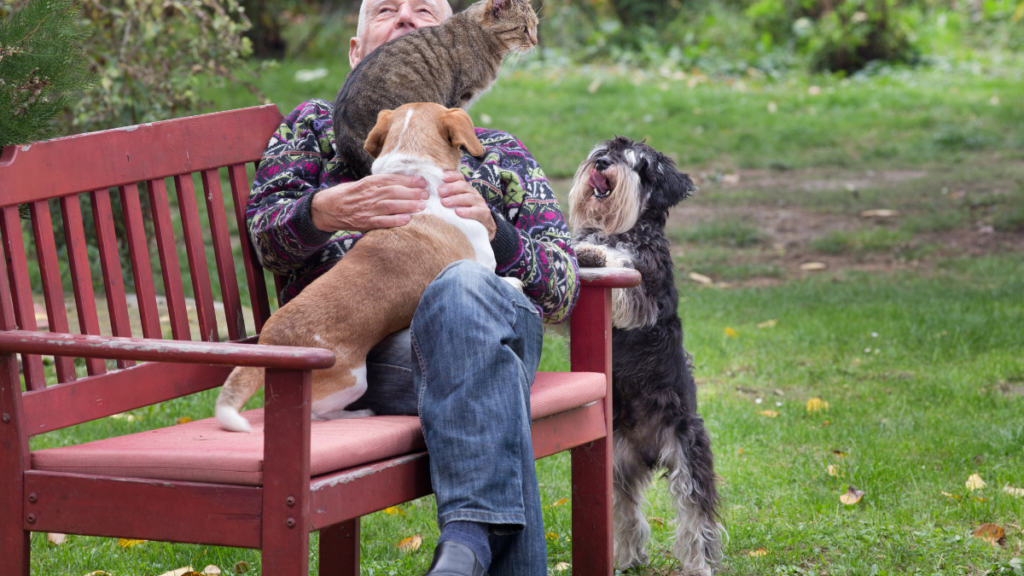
<point x="912" y="333"/>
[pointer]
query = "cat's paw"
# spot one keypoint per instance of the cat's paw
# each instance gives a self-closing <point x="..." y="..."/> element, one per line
<point x="591" y="255"/>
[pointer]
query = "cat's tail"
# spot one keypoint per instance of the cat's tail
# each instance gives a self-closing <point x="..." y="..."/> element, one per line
<point x="241" y="384"/>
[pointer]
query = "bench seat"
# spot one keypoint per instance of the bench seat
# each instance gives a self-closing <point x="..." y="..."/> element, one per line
<point x="202" y="451"/>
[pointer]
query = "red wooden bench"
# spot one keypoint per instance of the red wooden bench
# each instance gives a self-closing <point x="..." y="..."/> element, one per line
<point x="193" y="482"/>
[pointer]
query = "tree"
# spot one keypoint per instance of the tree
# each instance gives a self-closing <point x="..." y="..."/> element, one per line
<point x="41" y="64"/>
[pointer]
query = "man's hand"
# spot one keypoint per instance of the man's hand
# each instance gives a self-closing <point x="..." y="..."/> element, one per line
<point x="468" y="203"/>
<point x="378" y="201"/>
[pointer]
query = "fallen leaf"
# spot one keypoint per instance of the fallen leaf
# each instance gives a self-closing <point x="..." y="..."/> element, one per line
<point x="813" y="266"/>
<point x="757" y="553"/>
<point x="832" y="470"/>
<point x="768" y="324"/>
<point x="1015" y="492"/>
<point x="98" y="573"/>
<point x="816" y="405"/>
<point x="768" y="413"/>
<point x="879" y="213"/>
<point x="186" y="571"/>
<point x="826" y="423"/>
<point x="211" y="570"/>
<point x="183" y="420"/>
<point x="991" y="533"/>
<point x="852" y="496"/>
<point x="125" y="543"/>
<point x="814" y="90"/>
<point x="560" y="502"/>
<point x="410" y="544"/>
<point x="551" y="536"/>
<point x="562" y="566"/>
<point x="730" y="179"/>
<point x="701" y="279"/>
<point x="731" y="333"/>
<point x="948" y="495"/>
<point x="594" y="85"/>
<point x="56" y="538"/>
<point x="975" y="483"/>
<point x="241" y="567"/>
<point x="394" y="511"/>
<point x="839" y="454"/>
<point x="657" y="521"/>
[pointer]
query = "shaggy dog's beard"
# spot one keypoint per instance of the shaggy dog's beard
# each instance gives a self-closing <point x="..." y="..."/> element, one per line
<point x="608" y="201"/>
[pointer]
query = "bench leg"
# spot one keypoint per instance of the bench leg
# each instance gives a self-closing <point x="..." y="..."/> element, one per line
<point x="592" y="539"/>
<point x="339" y="549"/>
<point x="14" y="547"/>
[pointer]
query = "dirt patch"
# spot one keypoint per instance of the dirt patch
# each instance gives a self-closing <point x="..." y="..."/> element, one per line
<point x="813" y="179"/>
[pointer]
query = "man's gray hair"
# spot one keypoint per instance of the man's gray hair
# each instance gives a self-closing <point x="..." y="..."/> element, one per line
<point x="366" y="5"/>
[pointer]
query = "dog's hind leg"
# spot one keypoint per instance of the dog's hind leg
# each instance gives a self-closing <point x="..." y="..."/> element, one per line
<point x="631" y="477"/>
<point x="686" y="454"/>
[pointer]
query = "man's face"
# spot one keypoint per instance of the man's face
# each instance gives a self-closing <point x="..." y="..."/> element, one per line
<point x="385" y="20"/>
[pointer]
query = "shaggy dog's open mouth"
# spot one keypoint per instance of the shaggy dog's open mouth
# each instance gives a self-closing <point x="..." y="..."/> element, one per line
<point x="601" y="184"/>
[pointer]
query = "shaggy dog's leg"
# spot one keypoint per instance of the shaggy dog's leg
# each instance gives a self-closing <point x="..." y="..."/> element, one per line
<point x="687" y="456"/>
<point x="631" y="477"/>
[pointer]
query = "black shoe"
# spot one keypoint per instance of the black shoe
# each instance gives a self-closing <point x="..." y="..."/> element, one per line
<point x="453" y="558"/>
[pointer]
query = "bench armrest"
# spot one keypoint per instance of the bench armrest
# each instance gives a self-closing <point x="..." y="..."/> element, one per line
<point x="609" y="277"/>
<point x="216" y="353"/>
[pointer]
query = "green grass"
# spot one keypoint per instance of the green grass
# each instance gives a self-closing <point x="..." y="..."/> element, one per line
<point x="868" y="240"/>
<point x="723" y="232"/>
<point x="915" y="419"/>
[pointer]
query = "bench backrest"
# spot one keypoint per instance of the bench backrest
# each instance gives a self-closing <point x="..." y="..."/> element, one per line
<point x="136" y="161"/>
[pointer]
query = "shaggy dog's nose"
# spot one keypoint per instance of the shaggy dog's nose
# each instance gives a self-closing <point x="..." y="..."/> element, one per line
<point x="602" y="164"/>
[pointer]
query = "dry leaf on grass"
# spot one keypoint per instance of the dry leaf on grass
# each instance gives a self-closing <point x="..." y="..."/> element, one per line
<point x="1016" y="492"/>
<point x="98" y="573"/>
<point x="813" y="266"/>
<point x="832" y="470"/>
<point x="241" y="567"/>
<point x="731" y="333"/>
<point x="768" y="324"/>
<point x="883" y="213"/>
<point x="816" y="405"/>
<point x="559" y="503"/>
<point x="953" y="496"/>
<point x="701" y="279"/>
<point x="757" y="553"/>
<point x="183" y="420"/>
<point x="56" y="538"/>
<point x="211" y="570"/>
<point x="562" y="566"/>
<point x="657" y="521"/>
<point x="394" y="511"/>
<point x="852" y="496"/>
<point x="991" y="533"/>
<point x="975" y="483"/>
<point x="551" y="536"/>
<point x="186" y="571"/>
<point x="839" y="454"/>
<point x="768" y="413"/>
<point x="410" y="544"/>
<point x="126" y="543"/>
<point x="730" y="179"/>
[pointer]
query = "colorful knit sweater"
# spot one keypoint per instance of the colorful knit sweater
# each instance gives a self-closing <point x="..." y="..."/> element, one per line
<point x="531" y="243"/>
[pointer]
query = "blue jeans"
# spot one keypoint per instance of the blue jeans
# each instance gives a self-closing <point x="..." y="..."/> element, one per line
<point x="466" y="366"/>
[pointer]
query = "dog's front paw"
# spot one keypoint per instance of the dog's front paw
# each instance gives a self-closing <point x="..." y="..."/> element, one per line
<point x="590" y="255"/>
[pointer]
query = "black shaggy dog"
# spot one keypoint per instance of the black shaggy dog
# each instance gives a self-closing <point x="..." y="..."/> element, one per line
<point x="617" y="210"/>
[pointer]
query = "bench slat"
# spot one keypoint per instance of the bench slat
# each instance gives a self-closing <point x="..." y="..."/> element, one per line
<point x="222" y="252"/>
<point x="81" y="276"/>
<point x="257" y="285"/>
<point x="7" y="320"/>
<point x="110" y="263"/>
<point x="53" y="292"/>
<point x="21" y="292"/>
<point x="191" y="229"/>
<point x="138" y="249"/>
<point x="169" y="265"/>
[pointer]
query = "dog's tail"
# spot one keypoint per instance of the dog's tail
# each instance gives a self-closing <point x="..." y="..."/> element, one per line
<point x="241" y="384"/>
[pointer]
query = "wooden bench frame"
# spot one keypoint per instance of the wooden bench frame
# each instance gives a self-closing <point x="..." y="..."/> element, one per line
<point x="278" y="516"/>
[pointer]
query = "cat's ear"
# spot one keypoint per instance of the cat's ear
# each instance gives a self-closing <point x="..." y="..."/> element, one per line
<point x="497" y="6"/>
<point x="375" y="141"/>
<point x="459" y="128"/>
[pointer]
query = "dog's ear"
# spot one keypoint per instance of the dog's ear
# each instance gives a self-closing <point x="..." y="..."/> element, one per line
<point x="375" y="141"/>
<point x="458" y="129"/>
<point x="673" y="188"/>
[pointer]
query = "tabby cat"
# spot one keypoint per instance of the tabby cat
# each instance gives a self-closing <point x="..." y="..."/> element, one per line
<point x="452" y="65"/>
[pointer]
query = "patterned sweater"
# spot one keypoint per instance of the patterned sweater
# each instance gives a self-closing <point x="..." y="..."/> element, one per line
<point x="531" y="243"/>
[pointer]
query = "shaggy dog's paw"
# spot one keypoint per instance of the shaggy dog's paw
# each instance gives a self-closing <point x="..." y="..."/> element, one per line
<point x="591" y="256"/>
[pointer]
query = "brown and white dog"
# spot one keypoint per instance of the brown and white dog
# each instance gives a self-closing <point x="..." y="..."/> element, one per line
<point x="374" y="290"/>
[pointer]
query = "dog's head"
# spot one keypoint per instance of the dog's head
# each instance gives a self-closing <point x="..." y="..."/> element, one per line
<point x="424" y="130"/>
<point x="619" y="181"/>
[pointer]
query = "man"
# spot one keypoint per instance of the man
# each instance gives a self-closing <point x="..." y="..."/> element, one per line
<point x="466" y="364"/>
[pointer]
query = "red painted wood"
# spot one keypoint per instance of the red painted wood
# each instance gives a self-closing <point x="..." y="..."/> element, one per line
<point x="87" y="399"/>
<point x="81" y="275"/>
<point x="567" y="430"/>
<point x="139" y="251"/>
<point x="7" y="320"/>
<point x="191" y="229"/>
<point x="609" y="277"/>
<point x="21" y="291"/>
<point x="121" y="156"/>
<point x="591" y="351"/>
<point x="339" y="549"/>
<point x="253" y="271"/>
<point x="110" y="263"/>
<point x="170" y="268"/>
<point x="212" y="514"/>
<point x="286" y="522"/>
<point x="53" y="292"/>
<point x="353" y="493"/>
<point x="222" y="253"/>
<point x="14" y="460"/>
<point x="215" y="353"/>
